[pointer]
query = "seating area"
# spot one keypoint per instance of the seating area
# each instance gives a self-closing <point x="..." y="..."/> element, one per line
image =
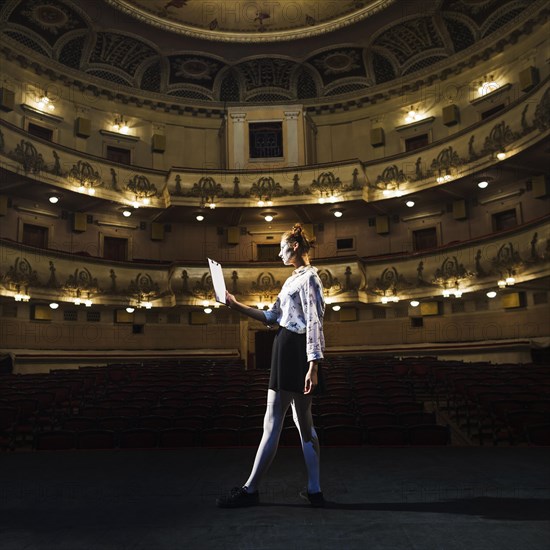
<point x="217" y="403"/>
<point x="502" y="404"/>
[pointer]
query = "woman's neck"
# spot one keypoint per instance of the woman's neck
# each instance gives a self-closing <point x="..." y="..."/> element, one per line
<point x="300" y="261"/>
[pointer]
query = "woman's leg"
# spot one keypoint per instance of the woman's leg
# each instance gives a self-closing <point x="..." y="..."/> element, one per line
<point x="301" y="411"/>
<point x="277" y="405"/>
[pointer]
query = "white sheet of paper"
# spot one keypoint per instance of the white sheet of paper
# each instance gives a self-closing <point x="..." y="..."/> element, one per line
<point x="217" y="280"/>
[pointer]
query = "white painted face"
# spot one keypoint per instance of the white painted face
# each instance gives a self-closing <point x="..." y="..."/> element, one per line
<point x="286" y="252"/>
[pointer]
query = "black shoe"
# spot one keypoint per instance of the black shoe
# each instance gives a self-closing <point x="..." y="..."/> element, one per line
<point x="317" y="500"/>
<point x="239" y="497"/>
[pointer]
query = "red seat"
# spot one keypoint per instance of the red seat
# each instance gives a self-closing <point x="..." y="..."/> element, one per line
<point x="177" y="437"/>
<point x="137" y="439"/>
<point x="342" y="435"/>
<point x="429" y="434"/>
<point x="55" y="441"/>
<point x="386" y="435"/>
<point x="250" y="436"/>
<point x="290" y="437"/>
<point x="95" y="439"/>
<point x="219" y="437"/>
<point x="538" y="434"/>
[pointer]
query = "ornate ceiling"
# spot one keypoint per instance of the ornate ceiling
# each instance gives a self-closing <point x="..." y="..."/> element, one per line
<point x="250" y="21"/>
<point x="398" y="40"/>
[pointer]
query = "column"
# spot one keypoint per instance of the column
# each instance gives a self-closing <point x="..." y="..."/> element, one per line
<point x="292" y="147"/>
<point x="239" y="160"/>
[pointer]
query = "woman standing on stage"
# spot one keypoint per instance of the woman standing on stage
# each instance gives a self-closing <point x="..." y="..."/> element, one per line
<point x="297" y="348"/>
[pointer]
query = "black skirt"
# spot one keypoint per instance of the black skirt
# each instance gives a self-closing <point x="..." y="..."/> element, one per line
<point x="289" y="364"/>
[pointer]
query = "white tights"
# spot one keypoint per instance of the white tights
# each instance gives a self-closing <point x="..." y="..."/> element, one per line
<point x="277" y="406"/>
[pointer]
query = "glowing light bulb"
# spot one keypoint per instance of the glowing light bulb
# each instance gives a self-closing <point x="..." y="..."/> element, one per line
<point x="414" y="303"/>
<point x="130" y="310"/>
<point x="482" y="184"/>
<point x="54" y="305"/>
<point x="199" y="217"/>
<point x="410" y="204"/>
<point x="491" y="294"/>
<point x="336" y="307"/>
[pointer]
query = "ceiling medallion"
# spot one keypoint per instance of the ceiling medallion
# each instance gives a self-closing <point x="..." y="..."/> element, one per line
<point x="248" y="20"/>
<point x="48" y="16"/>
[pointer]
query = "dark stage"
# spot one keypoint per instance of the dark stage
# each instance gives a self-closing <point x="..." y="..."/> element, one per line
<point x="425" y="498"/>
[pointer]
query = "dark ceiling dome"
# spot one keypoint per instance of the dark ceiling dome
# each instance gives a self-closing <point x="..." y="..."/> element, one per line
<point x="395" y="41"/>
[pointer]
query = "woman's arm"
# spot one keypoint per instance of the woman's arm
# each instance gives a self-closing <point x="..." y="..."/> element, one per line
<point x="232" y="303"/>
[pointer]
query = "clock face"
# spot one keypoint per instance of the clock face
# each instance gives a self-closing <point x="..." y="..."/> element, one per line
<point x="248" y="20"/>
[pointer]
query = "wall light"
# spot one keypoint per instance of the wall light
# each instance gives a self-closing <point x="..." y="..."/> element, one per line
<point x="338" y="212"/>
<point x="410" y="204"/>
<point x="336" y="307"/>
<point x="44" y="102"/>
<point x="199" y="217"/>
<point x="54" y="305"/>
<point x="483" y="184"/>
<point x="126" y="213"/>
<point x="487" y="85"/>
<point x="501" y="155"/>
<point x="491" y="294"/>
<point x="53" y="199"/>
<point x="120" y="125"/>
<point x="412" y="115"/>
<point x="130" y="310"/>
<point x="414" y="303"/>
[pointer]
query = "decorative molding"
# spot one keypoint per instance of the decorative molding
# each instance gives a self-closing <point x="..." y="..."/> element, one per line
<point x="36" y="211"/>
<point x="116" y="224"/>
<point x="258" y="35"/>
<point x="238" y="118"/>
<point x="427" y="120"/>
<point x="433" y="214"/>
<point x="291" y="115"/>
<point x="31" y="111"/>
<point x="501" y="197"/>
<point x="491" y="95"/>
<point x="119" y="136"/>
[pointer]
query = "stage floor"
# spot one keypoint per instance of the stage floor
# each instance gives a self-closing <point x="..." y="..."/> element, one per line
<point x="378" y="498"/>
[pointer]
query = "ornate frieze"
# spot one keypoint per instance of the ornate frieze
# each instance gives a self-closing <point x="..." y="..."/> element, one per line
<point x="265" y="285"/>
<point x="140" y="186"/>
<point x="20" y="274"/>
<point x="451" y="273"/>
<point x="84" y="174"/>
<point x="26" y="154"/>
